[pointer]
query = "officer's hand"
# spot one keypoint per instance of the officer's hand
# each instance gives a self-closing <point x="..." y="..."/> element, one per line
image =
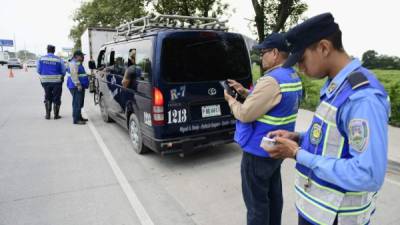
<point x="284" y="148"/>
<point x="237" y="86"/>
<point x="294" y="136"/>
<point x="79" y="87"/>
<point x="227" y="96"/>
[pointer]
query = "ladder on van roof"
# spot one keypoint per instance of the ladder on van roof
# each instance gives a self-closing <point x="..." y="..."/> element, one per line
<point x="152" y="23"/>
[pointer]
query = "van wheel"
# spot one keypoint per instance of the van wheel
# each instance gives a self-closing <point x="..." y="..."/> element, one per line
<point x="103" y="109"/>
<point x="135" y="135"/>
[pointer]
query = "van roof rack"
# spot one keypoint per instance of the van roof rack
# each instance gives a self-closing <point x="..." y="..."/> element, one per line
<point x="152" y="23"/>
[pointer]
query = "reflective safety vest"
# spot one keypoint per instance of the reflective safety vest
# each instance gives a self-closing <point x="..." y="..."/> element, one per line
<point x="318" y="200"/>
<point x="282" y="116"/>
<point x="50" y="69"/>
<point x="83" y="77"/>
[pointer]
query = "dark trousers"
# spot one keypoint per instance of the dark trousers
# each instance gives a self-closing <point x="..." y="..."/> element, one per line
<point x="262" y="189"/>
<point x="52" y="92"/>
<point x="303" y="221"/>
<point x="78" y="99"/>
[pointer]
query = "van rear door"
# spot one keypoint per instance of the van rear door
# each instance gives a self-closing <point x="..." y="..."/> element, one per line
<point x="193" y="63"/>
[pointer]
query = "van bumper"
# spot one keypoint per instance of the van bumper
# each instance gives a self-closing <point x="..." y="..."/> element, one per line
<point x="189" y="144"/>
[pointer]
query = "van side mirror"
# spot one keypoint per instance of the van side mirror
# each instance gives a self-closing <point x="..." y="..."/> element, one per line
<point x="92" y="65"/>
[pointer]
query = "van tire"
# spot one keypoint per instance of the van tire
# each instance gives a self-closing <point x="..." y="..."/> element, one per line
<point x="104" y="113"/>
<point x="135" y="135"/>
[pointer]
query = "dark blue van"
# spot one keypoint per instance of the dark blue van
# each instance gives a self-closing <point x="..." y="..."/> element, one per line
<point x="176" y="104"/>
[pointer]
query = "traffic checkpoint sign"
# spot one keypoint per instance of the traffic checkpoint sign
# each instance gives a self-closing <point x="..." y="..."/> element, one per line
<point x="6" y="43"/>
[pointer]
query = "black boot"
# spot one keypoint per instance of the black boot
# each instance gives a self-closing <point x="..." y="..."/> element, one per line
<point x="84" y="119"/>
<point x="48" y="110"/>
<point x="57" y="112"/>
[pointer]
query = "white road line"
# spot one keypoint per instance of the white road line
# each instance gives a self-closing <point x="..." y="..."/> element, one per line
<point x="393" y="181"/>
<point x="130" y="194"/>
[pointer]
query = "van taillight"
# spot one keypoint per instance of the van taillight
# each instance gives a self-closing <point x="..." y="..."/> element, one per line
<point x="158" y="107"/>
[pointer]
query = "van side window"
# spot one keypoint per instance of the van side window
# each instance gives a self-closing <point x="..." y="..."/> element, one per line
<point x="144" y="54"/>
<point x="110" y="58"/>
<point x="101" y="59"/>
<point x="120" y="60"/>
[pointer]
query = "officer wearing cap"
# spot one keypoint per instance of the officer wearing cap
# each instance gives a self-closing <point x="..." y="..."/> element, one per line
<point x="51" y="70"/>
<point x="271" y="105"/>
<point x="341" y="159"/>
<point x="77" y="82"/>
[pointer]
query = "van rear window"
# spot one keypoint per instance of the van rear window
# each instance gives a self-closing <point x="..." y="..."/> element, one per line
<point x="200" y="57"/>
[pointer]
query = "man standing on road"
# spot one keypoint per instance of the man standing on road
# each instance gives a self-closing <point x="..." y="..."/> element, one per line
<point x="52" y="71"/>
<point x="342" y="158"/>
<point x="272" y="105"/>
<point x="77" y="82"/>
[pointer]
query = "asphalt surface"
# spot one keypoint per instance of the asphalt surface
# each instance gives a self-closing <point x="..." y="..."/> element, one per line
<point x="54" y="172"/>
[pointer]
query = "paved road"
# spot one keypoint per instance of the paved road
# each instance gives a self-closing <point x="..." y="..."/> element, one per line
<point x="52" y="172"/>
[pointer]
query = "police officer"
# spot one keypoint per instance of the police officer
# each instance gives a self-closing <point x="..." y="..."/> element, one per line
<point x="341" y="159"/>
<point x="77" y="82"/>
<point x="52" y="71"/>
<point x="271" y="105"/>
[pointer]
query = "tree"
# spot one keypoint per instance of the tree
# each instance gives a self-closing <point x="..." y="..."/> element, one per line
<point x="25" y="55"/>
<point x="203" y="8"/>
<point x="369" y="59"/>
<point x="276" y="15"/>
<point x="104" y="13"/>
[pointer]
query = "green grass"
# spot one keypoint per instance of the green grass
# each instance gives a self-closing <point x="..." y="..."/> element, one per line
<point x="389" y="78"/>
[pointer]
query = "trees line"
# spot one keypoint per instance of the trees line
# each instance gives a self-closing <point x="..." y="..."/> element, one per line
<point x="372" y="60"/>
<point x="270" y="15"/>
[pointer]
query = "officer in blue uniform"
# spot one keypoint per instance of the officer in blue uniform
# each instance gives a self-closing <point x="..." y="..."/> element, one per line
<point x="77" y="82"/>
<point x="342" y="158"/>
<point x="271" y="105"/>
<point x="52" y="71"/>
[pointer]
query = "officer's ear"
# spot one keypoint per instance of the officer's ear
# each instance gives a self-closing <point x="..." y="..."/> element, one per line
<point x="325" y="47"/>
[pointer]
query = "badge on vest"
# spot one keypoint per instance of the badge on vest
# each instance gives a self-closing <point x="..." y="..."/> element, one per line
<point x="331" y="87"/>
<point x="358" y="134"/>
<point x="316" y="134"/>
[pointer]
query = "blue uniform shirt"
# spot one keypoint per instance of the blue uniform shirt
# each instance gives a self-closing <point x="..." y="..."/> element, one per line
<point x="63" y="69"/>
<point x="366" y="170"/>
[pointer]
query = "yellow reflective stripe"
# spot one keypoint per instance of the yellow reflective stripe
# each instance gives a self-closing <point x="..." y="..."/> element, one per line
<point x="341" y="147"/>
<point x="318" y="200"/>
<point x="325" y="121"/>
<point x="328" y="105"/>
<point x="333" y="190"/>
<point x="326" y="139"/>
<point x="315" y="204"/>
<point x="318" y="185"/>
<point x="277" y="120"/>
<point x="291" y="87"/>
<point x="356" y="212"/>
<point x="79" y="75"/>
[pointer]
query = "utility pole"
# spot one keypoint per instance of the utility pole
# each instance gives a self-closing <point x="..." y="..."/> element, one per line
<point x="15" y="46"/>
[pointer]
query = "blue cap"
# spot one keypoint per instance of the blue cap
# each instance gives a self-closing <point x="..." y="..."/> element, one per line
<point x="274" y="40"/>
<point x="307" y="33"/>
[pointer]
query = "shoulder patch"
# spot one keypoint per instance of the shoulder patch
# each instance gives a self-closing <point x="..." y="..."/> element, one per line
<point x="358" y="134"/>
<point x="357" y="79"/>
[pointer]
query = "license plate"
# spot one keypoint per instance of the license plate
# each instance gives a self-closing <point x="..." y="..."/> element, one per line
<point x="210" y="111"/>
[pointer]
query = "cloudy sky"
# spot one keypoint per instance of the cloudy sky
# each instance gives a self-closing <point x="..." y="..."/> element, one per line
<point x="365" y="24"/>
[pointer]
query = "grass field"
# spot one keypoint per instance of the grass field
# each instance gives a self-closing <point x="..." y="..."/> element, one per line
<point x="389" y="78"/>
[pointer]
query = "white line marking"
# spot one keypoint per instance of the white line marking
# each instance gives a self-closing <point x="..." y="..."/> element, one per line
<point x="130" y="194"/>
<point x="393" y="182"/>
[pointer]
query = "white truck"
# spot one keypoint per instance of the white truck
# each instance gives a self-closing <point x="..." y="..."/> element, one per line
<point x="91" y="40"/>
<point x="4" y="57"/>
